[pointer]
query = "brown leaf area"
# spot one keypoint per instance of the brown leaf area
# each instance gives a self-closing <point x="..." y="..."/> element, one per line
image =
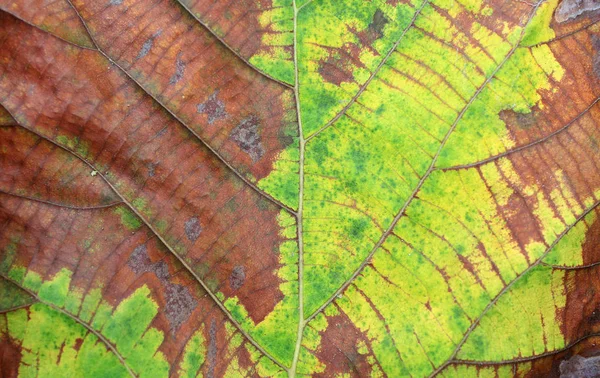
<point x="105" y="120"/>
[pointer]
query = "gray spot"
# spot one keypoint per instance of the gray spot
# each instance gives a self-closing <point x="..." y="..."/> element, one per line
<point x="571" y="9"/>
<point x="139" y="262"/>
<point x="212" y="349"/>
<point x="237" y="277"/>
<point x="580" y="367"/>
<point x="247" y="138"/>
<point x="193" y="229"/>
<point x="378" y="23"/>
<point x="180" y="305"/>
<point x="151" y="169"/>
<point x="147" y="46"/>
<point x="161" y="269"/>
<point x="179" y="70"/>
<point x="213" y="108"/>
<point x="115" y="2"/>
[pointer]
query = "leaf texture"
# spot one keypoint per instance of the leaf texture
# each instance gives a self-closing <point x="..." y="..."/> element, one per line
<point x="299" y="188"/>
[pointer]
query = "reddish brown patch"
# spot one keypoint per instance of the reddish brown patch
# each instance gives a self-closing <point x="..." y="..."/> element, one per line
<point x="205" y="213"/>
<point x="78" y="344"/>
<point x="56" y="17"/>
<point x="581" y="315"/>
<point x="182" y="65"/>
<point x="10" y="358"/>
<point x="339" y="349"/>
<point x="38" y="169"/>
<point x="339" y="66"/>
<point x="591" y="244"/>
<point x="521" y="221"/>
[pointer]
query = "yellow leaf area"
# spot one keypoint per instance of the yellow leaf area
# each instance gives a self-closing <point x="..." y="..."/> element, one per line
<point x="411" y="238"/>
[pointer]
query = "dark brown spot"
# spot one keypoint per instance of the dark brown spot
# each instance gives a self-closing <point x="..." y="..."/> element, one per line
<point x="10" y="359"/>
<point x="247" y="137"/>
<point x="193" y="229"/>
<point x="78" y="343"/>
<point x="580" y="367"/>
<point x="213" y="108"/>
<point x="237" y="277"/>
<point x="571" y="9"/>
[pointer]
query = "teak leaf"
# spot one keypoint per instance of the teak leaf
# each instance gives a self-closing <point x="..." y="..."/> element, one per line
<point x="319" y="188"/>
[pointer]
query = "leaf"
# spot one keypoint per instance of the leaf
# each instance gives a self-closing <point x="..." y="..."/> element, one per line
<point x="305" y="187"/>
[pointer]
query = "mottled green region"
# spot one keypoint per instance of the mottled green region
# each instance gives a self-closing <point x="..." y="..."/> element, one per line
<point x="502" y="371"/>
<point x="277" y="332"/>
<point x="445" y="262"/>
<point x="275" y="54"/>
<point x="128" y="329"/>
<point x="331" y="29"/>
<point x="127" y="326"/>
<point x="523" y="323"/>
<point x="13" y="296"/>
<point x="511" y="89"/>
<point x="361" y="171"/>
<point x="569" y="251"/>
<point x="55" y="345"/>
<point x="193" y="356"/>
<point x="128" y="218"/>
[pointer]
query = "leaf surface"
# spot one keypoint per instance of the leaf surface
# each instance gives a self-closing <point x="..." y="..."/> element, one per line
<point x="320" y="188"/>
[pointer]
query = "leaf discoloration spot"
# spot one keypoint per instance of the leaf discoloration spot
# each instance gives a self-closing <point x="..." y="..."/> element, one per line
<point x="571" y="9"/>
<point x="193" y="229"/>
<point x="247" y="137"/>
<point x="237" y="277"/>
<point x="213" y="108"/>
